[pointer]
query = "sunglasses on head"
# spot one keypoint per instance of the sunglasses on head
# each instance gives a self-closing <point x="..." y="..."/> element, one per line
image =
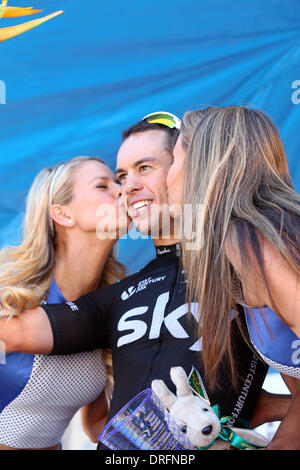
<point x="164" y="118"/>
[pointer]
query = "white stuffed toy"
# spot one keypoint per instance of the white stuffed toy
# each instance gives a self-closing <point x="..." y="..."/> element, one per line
<point x="197" y="419"/>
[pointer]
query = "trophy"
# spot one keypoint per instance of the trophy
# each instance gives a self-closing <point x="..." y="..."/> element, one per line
<point x="144" y="424"/>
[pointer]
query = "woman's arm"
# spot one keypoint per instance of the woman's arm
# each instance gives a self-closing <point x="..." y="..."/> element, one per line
<point x="93" y="416"/>
<point x="29" y="332"/>
<point x="270" y="407"/>
<point x="283" y="282"/>
<point x="284" y="285"/>
<point x="287" y="436"/>
<point x="63" y="328"/>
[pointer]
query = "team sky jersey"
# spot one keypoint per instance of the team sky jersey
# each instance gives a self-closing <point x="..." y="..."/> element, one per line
<point x="144" y="319"/>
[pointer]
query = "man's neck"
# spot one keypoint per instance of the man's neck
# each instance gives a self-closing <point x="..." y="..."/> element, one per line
<point x="165" y="242"/>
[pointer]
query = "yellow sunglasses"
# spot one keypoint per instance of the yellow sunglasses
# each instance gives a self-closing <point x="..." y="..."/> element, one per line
<point x="164" y="118"/>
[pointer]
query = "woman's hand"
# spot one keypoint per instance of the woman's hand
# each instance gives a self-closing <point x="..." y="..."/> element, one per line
<point x="270" y="407"/>
<point x="287" y="436"/>
<point x="93" y="417"/>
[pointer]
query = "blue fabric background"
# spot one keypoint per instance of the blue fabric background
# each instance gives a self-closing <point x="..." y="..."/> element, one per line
<point x="73" y="83"/>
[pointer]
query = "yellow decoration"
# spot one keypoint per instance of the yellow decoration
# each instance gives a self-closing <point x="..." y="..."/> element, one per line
<point x="13" y="12"/>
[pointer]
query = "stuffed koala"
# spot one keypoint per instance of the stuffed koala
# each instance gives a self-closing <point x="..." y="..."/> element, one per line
<point x="194" y="415"/>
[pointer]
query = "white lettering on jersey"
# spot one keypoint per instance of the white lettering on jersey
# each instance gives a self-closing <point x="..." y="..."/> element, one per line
<point x="158" y="315"/>
<point x="73" y="306"/>
<point x="170" y="321"/>
<point x="296" y="354"/>
<point x="125" y="295"/>
<point x="141" y="286"/>
<point x="139" y="327"/>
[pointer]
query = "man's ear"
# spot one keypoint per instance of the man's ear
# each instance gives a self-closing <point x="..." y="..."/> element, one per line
<point x="61" y="216"/>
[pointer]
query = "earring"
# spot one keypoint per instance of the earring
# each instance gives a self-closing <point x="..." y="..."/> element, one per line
<point x="70" y="221"/>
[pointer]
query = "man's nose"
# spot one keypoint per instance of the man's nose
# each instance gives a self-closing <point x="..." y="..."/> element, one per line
<point x="131" y="185"/>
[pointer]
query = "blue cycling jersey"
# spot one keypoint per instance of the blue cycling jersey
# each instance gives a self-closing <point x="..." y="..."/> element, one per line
<point x="17" y="369"/>
<point x="39" y="394"/>
<point x="274" y="340"/>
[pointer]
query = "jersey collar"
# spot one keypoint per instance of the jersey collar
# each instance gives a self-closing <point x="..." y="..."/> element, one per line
<point x="167" y="250"/>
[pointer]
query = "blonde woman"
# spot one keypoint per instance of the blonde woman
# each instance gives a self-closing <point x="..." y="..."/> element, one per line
<point x="233" y="167"/>
<point x="59" y="259"/>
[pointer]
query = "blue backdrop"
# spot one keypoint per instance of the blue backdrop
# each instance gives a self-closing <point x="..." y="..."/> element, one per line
<point x="73" y="83"/>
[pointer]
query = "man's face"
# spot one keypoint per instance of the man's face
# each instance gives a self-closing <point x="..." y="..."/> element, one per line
<point x="143" y="163"/>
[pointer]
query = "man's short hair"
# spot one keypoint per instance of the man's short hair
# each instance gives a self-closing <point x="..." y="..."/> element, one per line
<point x="144" y="126"/>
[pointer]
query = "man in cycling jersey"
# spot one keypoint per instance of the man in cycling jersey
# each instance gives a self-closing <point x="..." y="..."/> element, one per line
<point x="144" y="319"/>
<point x="146" y="315"/>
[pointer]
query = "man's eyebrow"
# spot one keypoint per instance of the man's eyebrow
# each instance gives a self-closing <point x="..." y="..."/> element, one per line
<point x="137" y="163"/>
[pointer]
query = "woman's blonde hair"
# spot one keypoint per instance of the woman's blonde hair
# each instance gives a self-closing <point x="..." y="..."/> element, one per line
<point x="237" y="172"/>
<point x="26" y="269"/>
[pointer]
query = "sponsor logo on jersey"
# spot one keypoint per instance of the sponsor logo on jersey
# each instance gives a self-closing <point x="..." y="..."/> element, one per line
<point x="138" y="328"/>
<point x="72" y="306"/>
<point x="141" y="286"/>
<point x="239" y="405"/>
<point x="159" y="251"/>
<point x="296" y="353"/>
<point x="125" y="295"/>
